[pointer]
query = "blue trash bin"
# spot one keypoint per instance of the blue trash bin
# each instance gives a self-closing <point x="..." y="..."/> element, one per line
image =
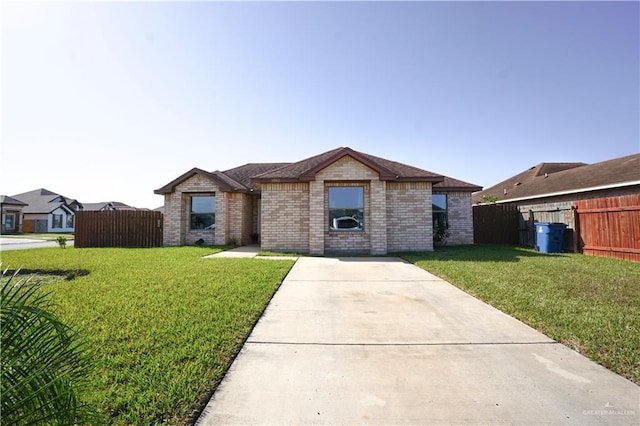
<point x="549" y="237"/>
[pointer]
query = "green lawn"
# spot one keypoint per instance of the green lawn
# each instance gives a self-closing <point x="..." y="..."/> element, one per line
<point x="163" y="324"/>
<point x="591" y="304"/>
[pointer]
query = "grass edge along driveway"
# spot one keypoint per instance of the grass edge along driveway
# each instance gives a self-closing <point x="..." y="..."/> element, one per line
<point x="163" y="325"/>
<point x="590" y="304"/>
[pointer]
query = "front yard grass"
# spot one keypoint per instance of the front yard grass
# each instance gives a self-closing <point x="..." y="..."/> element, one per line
<point x="591" y="304"/>
<point x="163" y="324"/>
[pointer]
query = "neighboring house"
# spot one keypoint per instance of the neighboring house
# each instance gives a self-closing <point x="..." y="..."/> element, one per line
<point x="106" y="206"/>
<point x="12" y="215"/>
<point x="47" y="211"/>
<point x="546" y="192"/>
<point x="341" y="201"/>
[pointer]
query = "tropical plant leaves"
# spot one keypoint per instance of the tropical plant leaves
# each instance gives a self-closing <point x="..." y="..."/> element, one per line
<point x="44" y="362"/>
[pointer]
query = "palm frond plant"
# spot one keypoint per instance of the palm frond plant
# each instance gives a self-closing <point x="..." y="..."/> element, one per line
<point x="43" y="361"/>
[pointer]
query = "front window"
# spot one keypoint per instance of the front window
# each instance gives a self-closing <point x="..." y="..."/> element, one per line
<point x="346" y="208"/>
<point x="203" y="212"/>
<point x="70" y="221"/>
<point x="440" y="220"/>
<point x="9" y="221"/>
<point x="57" y="221"/>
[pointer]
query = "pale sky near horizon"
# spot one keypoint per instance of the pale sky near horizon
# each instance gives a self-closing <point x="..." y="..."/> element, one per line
<point x="110" y="100"/>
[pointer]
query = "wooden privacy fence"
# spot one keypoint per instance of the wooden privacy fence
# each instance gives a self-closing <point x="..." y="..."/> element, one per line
<point x="610" y="227"/>
<point x="495" y="224"/>
<point x="125" y="228"/>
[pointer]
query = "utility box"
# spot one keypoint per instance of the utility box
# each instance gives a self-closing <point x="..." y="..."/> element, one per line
<point x="549" y="237"/>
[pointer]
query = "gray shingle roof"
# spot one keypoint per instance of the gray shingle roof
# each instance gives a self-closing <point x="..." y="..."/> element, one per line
<point x="42" y="201"/>
<point x="550" y="178"/>
<point x="4" y="199"/>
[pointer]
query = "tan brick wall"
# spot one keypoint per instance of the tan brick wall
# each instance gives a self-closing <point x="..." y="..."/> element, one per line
<point x="409" y="216"/>
<point x="239" y="218"/>
<point x="378" y="217"/>
<point x="344" y="172"/>
<point x="285" y="217"/>
<point x="317" y="217"/>
<point x="176" y="214"/>
<point x="460" y="217"/>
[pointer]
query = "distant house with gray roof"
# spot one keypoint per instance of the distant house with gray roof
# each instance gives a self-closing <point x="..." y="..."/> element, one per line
<point x="47" y="211"/>
<point x="106" y="206"/>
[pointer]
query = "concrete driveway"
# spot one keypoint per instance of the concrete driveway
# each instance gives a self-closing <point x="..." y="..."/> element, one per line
<point x="380" y="341"/>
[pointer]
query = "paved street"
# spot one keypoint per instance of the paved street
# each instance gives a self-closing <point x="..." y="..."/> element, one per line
<point x="26" y="243"/>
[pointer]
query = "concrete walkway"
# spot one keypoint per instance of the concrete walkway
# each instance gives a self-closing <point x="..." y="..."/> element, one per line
<point x="250" y="251"/>
<point x="380" y="341"/>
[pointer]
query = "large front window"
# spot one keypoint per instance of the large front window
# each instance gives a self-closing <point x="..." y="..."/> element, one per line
<point x="346" y="208"/>
<point x="70" y="221"/>
<point x="203" y="212"/>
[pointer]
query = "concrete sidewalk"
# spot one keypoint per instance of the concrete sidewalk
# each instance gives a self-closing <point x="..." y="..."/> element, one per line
<point x="380" y="341"/>
<point x="250" y="251"/>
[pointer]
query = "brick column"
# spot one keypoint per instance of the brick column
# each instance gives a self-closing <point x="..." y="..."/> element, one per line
<point x="378" y="215"/>
<point x="317" y="223"/>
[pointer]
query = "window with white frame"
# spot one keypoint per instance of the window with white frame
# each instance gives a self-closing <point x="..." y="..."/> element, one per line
<point x="346" y="208"/>
<point x="70" y="220"/>
<point x="57" y="221"/>
<point x="203" y="212"/>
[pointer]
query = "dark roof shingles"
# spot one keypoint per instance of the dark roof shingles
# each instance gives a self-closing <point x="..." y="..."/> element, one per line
<point x="549" y="178"/>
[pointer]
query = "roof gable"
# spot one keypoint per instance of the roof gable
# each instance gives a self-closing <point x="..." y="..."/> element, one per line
<point x="225" y="183"/>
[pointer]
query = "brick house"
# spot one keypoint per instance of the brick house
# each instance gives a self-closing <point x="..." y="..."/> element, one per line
<point x="12" y="215"/>
<point x="340" y="201"/>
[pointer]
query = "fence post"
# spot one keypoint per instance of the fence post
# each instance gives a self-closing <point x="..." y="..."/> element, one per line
<point x="577" y="246"/>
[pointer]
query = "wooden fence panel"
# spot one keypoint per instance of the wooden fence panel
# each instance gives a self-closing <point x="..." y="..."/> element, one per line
<point x="610" y="227"/>
<point x="550" y="212"/>
<point x="495" y="224"/>
<point x="125" y="228"/>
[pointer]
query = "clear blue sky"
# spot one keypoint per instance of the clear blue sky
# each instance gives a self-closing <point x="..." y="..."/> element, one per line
<point x="111" y="100"/>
